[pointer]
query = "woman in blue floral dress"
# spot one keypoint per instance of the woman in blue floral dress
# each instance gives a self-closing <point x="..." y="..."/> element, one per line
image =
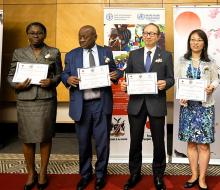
<point x="197" y="119"/>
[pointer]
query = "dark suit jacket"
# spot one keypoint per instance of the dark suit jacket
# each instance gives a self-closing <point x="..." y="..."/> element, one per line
<point x="54" y="72"/>
<point x="74" y="60"/>
<point x="156" y="103"/>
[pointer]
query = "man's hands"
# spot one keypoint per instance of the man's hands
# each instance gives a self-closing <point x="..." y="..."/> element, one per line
<point x="123" y="86"/>
<point x="113" y="75"/>
<point x="161" y="84"/>
<point x="73" y="81"/>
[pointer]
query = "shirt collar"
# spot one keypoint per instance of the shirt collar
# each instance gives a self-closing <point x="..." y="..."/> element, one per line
<point x="94" y="49"/>
<point x="152" y="50"/>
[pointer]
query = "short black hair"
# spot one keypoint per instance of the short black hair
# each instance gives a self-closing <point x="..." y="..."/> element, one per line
<point x="158" y="28"/>
<point x="36" y="24"/>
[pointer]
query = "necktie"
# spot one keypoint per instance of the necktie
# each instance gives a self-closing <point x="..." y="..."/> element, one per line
<point x="148" y="61"/>
<point x="94" y="93"/>
<point x="91" y="59"/>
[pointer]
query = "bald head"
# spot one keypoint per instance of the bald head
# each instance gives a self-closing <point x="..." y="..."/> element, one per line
<point x="87" y="36"/>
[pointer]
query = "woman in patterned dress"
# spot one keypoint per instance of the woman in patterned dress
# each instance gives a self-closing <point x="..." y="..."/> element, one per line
<point x="197" y="119"/>
<point x="36" y="103"/>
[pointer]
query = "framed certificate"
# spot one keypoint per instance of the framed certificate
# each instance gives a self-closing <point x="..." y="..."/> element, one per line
<point x="33" y="71"/>
<point x="191" y="89"/>
<point x="94" y="77"/>
<point x="142" y="83"/>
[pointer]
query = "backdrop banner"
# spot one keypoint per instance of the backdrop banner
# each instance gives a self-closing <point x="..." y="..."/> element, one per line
<point x="123" y="29"/>
<point x="187" y="19"/>
<point x="1" y="36"/>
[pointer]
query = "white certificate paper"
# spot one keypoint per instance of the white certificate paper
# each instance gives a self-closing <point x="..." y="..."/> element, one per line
<point x="142" y="83"/>
<point x="191" y="89"/>
<point x="94" y="77"/>
<point x="33" y="71"/>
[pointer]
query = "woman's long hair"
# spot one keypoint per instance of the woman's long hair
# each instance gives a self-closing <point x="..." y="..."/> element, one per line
<point x="204" y="54"/>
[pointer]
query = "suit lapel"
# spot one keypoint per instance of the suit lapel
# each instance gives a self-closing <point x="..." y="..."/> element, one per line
<point x="43" y="53"/>
<point x="41" y="57"/>
<point x="30" y="54"/>
<point x="157" y="55"/>
<point x="140" y="59"/>
<point x="101" y="55"/>
<point x="79" y="58"/>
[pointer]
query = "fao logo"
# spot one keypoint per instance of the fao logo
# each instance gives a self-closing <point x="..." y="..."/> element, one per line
<point x="109" y="16"/>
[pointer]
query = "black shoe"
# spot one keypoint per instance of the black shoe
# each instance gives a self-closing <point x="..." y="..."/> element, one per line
<point x="201" y="188"/>
<point x="84" y="181"/>
<point x="190" y="184"/>
<point x="100" y="183"/>
<point x="132" y="181"/>
<point x="159" y="183"/>
<point x="42" y="186"/>
<point x="31" y="185"/>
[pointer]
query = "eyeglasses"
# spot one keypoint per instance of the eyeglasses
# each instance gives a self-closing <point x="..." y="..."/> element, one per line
<point x="35" y="33"/>
<point x="151" y="34"/>
<point x="196" y="40"/>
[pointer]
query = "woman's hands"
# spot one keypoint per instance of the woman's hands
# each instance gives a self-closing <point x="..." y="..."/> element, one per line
<point x="209" y="89"/>
<point x="23" y="85"/>
<point x="44" y="83"/>
<point x="183" y="102"/>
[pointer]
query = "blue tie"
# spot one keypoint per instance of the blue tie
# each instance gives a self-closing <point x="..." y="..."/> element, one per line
<point x="148" y="61"/>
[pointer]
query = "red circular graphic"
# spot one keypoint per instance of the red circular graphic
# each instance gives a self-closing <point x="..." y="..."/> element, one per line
<point x="186" y="22"/>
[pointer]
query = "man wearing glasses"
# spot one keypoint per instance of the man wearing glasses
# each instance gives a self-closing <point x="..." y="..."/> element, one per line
<point x="149" y="59"/>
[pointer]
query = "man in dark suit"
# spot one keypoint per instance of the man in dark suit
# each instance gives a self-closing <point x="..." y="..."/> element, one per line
<point x="90" y="109"/>
<point x="152" y="106"/>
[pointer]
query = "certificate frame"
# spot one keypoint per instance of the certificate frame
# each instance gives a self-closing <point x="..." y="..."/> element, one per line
<point x="94" y="77"/>
<point x="191" y="89"/>
<point x="33" y="71"/>
<point x="142" y="83"/>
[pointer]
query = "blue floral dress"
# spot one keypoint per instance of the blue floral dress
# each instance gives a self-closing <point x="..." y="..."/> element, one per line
<point x="196" y="123"/>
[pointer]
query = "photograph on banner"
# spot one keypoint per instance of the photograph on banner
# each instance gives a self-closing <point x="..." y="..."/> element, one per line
<point x="128" y="37"/>
<point x="120" y="98"/>
<point x="187" y="19"/>
<point x="123" y="29"/>
<point x="121" y="58"/>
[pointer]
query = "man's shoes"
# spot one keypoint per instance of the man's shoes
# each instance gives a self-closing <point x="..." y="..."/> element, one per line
<point x="100" y="183"/>
<point x="84" y="181"/>
<point x="159" y="183"/>
<point x="132" y="181"/>
<point x="188" y="184"/>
